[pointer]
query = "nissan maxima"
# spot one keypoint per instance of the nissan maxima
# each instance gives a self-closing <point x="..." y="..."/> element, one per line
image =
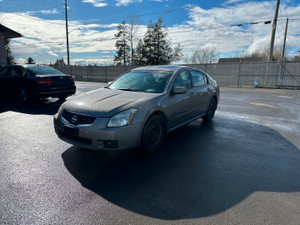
<point x="138" y="109"/>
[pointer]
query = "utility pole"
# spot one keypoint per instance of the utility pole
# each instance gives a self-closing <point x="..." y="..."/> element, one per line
<point x="273" y="31"/>
<point x="284" y="41"/>
<point x="67" y="32"/>
<point x="282" y="55"/>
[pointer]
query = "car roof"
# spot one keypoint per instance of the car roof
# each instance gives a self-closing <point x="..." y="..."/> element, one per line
<point x="27" y="65"/>
<point x="172" y="68"/>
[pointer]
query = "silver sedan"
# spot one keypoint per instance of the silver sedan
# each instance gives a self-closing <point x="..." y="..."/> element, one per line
<point x="138" y="109"/>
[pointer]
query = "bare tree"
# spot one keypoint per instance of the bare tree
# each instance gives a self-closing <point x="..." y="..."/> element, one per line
<point x="265" y="54"/>
<point x="126" y="38"/>
<point x="204" y="55"/>
<point x="131" y="29"/>
<point x="297" y="57"/>
<point x="123" y="53"/>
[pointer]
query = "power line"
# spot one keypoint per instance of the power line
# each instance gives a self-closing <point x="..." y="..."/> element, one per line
<point x="112" y="19"/>
<point x="86" y="40"/>
<point x="34" y="18"/>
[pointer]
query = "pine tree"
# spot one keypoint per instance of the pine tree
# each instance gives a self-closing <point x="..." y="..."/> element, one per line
<point x="10" y="58"/>
<point x="123" y="53"/>
<point x="155" y="48"/>
<point x="30" y="61"/>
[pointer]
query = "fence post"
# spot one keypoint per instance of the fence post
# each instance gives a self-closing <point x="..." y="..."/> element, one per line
<point x="282" y="71"/>
<point x="87" y="73"/>
<point x="266" y="71"/>
<point x="238" y="80"/>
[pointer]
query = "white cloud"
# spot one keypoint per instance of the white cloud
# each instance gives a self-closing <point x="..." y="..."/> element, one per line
<point x="93" y="61"/>
<point x="52" y="53"/>
<point x="21" y="60"/>
<point x="216" y="26"/>
<point x="233" y="1"/>
<point x="126" y="2"/>
<point x="53" y="11"/>
<point x="45" y="40"/>
<point x="96" y="3"/>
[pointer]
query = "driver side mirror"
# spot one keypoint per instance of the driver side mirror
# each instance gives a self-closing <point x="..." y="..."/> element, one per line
<point x="179" y="90"/>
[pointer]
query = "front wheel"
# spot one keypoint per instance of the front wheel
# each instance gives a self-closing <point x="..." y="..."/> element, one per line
<point x="153" y="134"/>
<point x="211" y="110"/>
<point x="63" y="98"/>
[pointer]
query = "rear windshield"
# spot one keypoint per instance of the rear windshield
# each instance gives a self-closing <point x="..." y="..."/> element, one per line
<point x="42" y="70"/>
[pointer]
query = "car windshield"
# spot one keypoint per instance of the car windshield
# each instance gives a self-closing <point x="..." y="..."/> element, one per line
<point x="145" y="81"/>
<point x="42" y="70"/>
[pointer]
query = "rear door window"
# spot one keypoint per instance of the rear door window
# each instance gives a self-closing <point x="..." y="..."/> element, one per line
<point x="3" y="71"/>
<point x="15" y="72"/>
<point x="199" y="78"/>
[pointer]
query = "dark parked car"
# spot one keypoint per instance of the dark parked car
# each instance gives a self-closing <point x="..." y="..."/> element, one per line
<point x="139" y="108"/>
<point x="29" y="82"/>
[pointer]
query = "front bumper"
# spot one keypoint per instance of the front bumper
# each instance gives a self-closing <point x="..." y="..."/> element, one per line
<point x="97" y="136"/>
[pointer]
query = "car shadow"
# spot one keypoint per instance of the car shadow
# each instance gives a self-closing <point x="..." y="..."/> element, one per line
<point x="202" y="169"/>
<point x="46" y="106"/>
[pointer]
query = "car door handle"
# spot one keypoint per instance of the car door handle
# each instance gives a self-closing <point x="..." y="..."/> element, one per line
<point x="192" y="94"/>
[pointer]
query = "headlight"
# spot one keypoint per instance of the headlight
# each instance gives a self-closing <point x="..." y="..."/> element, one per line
<point x="60" y="110"/>
<point x="122" y="119"/>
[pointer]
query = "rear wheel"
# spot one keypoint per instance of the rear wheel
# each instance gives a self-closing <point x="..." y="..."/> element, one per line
<point x="24" y="96"/>
<point x="211" y="110"/>
<point x="153" y="134"/>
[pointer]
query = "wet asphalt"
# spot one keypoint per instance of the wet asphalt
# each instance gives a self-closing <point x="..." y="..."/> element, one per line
<point x="243" y="168"/>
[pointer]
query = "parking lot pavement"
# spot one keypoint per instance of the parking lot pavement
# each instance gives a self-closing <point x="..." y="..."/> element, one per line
<point x="243" y="168"/>
<point x="274" y="108"/>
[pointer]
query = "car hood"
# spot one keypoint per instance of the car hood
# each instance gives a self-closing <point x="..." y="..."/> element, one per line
<point x="106" y="102"/>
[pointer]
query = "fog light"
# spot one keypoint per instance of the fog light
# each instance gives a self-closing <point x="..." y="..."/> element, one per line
<point x="110" y="144"/>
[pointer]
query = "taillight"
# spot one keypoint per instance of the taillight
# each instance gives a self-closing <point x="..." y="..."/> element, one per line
<point x="72" y="79"/>
<point x="45" y="80"/>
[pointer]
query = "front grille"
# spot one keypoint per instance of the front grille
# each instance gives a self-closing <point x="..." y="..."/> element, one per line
<point x="77" y="119"/>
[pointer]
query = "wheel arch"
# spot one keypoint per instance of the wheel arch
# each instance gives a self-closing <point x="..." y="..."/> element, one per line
<point x="157" y="143"/>
<point x="163" y="116"/>
<point x="216" y="97"/>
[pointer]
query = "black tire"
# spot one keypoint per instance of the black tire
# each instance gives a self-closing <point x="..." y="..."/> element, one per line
<point x="24" y="95"/>
<point x="211" y="110"/>
<point x="153" y="134"/>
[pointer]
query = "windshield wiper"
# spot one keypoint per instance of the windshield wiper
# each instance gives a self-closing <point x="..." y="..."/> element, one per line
<point x="129" y="89"/>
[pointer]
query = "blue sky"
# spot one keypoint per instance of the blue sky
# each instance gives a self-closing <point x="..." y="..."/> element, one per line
<point x="194" y="24"/>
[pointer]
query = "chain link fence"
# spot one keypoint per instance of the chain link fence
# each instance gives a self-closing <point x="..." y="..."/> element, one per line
<point x="239" y="74"/>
